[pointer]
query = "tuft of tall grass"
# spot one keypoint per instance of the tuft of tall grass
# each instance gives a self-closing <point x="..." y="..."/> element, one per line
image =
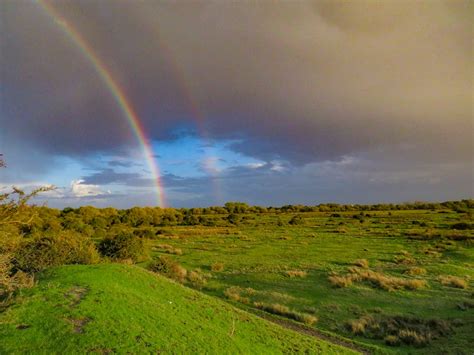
<point x="453" y="281"/>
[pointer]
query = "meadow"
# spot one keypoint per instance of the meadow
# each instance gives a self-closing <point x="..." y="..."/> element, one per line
<point x="376" y="279"/>
<point x="419" y="270"/>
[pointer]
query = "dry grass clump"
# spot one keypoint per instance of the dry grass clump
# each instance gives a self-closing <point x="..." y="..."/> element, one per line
<point x="387" y="283"/>
<point x="197" y="279"/>
<point x="414" y="271"/>
<point x="376" y="279"/>
<point x="217" y="267"/>
<point x="363" y="263"/>
<point x="453" y="281"/>
<point x="404" y="260"/>
<point x="239" y="294"/>
<point x="340" y="281"/>
<point x="396" y="330"/>
<point x="286" y="312"/>
<point x="169" y="268"/>
<point x="296" y="273"/>
<point x="170" y="249"/>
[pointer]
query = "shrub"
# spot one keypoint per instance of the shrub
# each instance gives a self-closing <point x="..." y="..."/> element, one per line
<point x="296" y="273"/>
<point x="124" y="245"/>
<point x="363" y="263"/>
<point x="296" y="220"/>
<point x="453" y="281"/>
<point x="169" y="268"/>
<point x="217" y="267"/>
<point x="65" y="248"/>
<point x="11" y="281"/>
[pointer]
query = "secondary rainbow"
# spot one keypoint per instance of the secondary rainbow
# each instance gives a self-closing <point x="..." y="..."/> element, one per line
<point x="117" y="93"/>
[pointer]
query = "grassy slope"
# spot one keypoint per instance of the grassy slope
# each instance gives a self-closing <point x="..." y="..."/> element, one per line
<point x="76" y="309"/>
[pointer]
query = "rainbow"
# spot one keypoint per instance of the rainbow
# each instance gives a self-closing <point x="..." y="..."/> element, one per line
<point x="117" y="93"/>
<point x="196" y="112"/>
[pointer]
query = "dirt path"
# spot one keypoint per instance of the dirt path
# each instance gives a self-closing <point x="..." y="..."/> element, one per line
<point x="314" y="333"/>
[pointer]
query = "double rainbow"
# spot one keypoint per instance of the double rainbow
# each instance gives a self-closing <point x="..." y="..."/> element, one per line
<point x="117" y="93"/>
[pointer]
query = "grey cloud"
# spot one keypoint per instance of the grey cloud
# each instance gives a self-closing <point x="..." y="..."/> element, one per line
<point x="300" y="82"/>
<point x="295" y="80"/>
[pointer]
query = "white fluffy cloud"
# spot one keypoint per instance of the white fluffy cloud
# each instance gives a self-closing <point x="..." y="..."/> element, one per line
<point x="79" y="189"/>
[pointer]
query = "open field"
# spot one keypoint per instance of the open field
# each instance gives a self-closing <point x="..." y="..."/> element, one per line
<point x="377" y="281"/>
<point x="259" y="261"/>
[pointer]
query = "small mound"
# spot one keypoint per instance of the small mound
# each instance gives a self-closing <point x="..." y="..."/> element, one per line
<point x="125" y="309"/>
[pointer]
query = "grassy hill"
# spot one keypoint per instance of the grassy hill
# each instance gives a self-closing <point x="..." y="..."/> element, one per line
<point x="125" y="309"/>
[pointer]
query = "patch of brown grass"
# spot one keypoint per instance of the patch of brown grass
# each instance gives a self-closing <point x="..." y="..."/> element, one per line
<point x="363" y="263"/>
<point x="217" y="267"/>
<point x="340" y="281"/>
<point x="197" y="279"/>
<point x="453" y="281"/>
<point x="286" y="312"/>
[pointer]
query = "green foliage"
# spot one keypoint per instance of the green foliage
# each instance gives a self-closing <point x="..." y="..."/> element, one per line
<point x="122" y="246"/>
<point x="64" y="248"/>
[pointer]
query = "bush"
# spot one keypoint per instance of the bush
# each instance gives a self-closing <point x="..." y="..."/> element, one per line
<point x="296" y="220"/>
<point x="9" y="281"/>
<point x="124" y="246"/>
<point x="65" y="248"/>
<point x="169" y="268"/>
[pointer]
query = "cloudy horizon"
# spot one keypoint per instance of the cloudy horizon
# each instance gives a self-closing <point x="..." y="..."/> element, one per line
<point x="266" y="103"/>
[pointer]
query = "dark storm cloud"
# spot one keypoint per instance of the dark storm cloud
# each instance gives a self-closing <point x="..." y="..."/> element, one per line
<point x="109" y="176"/>
<point x="298" y="81"/>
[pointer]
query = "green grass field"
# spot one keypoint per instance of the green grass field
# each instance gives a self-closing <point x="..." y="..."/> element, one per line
<point x="258" y="253"/>
<point x="125" y="309"/>
<point x="378" y="281"/>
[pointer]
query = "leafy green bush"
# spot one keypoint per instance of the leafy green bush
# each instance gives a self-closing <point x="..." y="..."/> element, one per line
<point x="296" y="220"/>
<point x="169" y="268"/>
<point x="124" y="245"/>
<point x="64" y="248"/>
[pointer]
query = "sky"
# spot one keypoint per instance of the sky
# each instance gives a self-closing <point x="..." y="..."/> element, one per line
<point x="269" y="103"/>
